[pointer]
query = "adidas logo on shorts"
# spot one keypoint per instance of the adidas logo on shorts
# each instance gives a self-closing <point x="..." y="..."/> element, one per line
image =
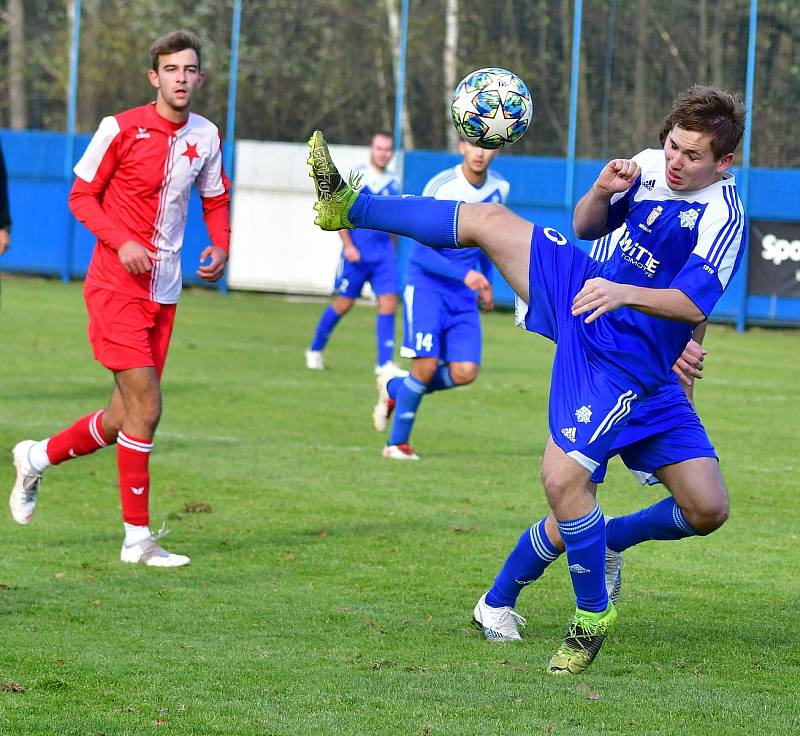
<point x="569" y="433"/>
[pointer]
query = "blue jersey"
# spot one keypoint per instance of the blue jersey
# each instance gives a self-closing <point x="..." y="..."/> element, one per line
<point x="691" y="241"/>
<point x="374" y="245"/>
<point x="446" y="268"/>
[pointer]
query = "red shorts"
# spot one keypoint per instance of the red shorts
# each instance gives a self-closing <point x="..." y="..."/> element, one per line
<point x="127" y="332"/>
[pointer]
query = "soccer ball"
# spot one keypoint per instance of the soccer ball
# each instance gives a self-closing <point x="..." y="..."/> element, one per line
<point x="491" y="108"/>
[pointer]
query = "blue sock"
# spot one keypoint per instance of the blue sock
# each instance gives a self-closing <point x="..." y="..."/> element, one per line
<point x="393" y="387"/>
<point x="663" y="520"/>
<point x="330" y="318"/>
<point x="433" y="222"/>
<point x="442" y="380"/>
<point x="409" y="394"/>
<point x="384" y="331"/>
<point x="526" y="563"/>
<point x="585" y="540"/>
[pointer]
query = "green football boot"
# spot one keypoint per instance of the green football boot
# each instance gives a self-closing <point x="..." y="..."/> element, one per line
<point x="334" y="196"/>
<point x="585" y="636"/>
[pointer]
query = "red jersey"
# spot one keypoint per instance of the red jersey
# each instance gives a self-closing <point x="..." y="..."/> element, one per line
<point x="134" y="182"/>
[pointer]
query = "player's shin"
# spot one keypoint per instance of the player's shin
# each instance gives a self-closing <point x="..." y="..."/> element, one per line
<point x="133" y="456"/>
<point x="409" y="396"/>
<point x="432" y="222"/>
<point x="585" y="542"/>
<point x="327" y="323"/>
<point x="663" y="521"/>
<point x="526" y="563"/>
<point x="83" y="437"/>
<point x="384" y="335"/>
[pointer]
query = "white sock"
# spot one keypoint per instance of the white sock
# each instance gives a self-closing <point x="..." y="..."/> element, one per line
<point x="37" y="456"/>
<point x="135" y="534"/>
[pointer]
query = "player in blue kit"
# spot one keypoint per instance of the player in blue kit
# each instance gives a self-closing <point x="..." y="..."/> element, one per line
<point x="442" y="324"/>
<point x="619" y="325"/>
<point x="367" y="255"/>
<point x="662" y="442"/>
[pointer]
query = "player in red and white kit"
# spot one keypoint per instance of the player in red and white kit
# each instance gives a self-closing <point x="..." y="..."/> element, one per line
<point x="132" y="191"/>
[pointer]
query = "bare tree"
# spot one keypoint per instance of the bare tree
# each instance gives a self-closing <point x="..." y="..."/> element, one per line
<point x="450" y="47"/>
<point x="17" y="90"/>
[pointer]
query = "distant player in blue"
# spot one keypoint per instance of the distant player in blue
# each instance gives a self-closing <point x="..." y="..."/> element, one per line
<point x="444" y="289"/>
<point x="619" y="325"/>
<point x="367" y="255"/>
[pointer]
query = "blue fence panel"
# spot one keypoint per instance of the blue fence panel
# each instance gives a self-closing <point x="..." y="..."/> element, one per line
<point x="45" y="236"/>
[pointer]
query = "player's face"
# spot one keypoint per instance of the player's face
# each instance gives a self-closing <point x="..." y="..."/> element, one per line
<point x="380" y="151"/>
<point x="690" y="161"/>
<point x="177" y="78"/>
<point x="476" y="161"/>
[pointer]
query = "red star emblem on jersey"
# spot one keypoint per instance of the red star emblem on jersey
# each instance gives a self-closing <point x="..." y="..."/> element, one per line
<point x="191" y="152"/>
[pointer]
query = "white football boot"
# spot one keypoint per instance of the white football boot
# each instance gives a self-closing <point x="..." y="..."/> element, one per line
<point x="22" y="501"/>
<point x="400" y="452"/>
<point x="314" y="360"/>
<point x="390" y="367"/>
<point x="385" y="406"/>
<point x="497" y="624"/>
<point x="149" y="552"/>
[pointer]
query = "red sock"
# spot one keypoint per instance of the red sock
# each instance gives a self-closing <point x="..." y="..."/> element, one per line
<point x="82" y="438"/>
<point x="133" y="456"/>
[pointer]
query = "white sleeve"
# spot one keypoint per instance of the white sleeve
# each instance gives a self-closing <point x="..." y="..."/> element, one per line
<point x="209" y="182"/>
<point x="93" y="156"/>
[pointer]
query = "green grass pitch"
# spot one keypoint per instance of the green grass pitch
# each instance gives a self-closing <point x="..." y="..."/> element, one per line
<point x="330" y="590"/>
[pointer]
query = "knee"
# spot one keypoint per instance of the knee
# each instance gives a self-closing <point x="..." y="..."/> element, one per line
<point x="423" y="371"/>
<point x="387" y="304"/>
<point x="709" y="516"/>
<point x="464" y="373"/>
<point x="555" y="486"/>
<point x="494" y="211"/>
<point x="342" y="305"/>
<point x="478" y="221"/>
<point x="112" y="423"/>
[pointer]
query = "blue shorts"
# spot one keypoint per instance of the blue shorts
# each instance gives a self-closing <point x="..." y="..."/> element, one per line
<point x="383" y="276"/>
<point x="596" y="413"/>
<point x="663" y="429"/>
<point x="440" y="324"/>
<point x="589" y="404"/>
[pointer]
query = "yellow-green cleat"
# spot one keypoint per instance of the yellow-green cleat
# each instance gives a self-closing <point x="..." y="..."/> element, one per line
<point x="335" y="197"/>
<point x="585" y="636"/>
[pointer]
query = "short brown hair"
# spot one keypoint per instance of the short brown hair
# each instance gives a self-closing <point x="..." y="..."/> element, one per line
<point x="172" y="43"/>
<point x="710" y="111"/>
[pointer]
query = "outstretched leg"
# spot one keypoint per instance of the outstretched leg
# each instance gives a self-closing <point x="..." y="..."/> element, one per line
<point x="502" y="235"/>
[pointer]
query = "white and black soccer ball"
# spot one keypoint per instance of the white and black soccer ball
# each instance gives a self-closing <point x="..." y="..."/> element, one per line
<point x="491" y="108"/>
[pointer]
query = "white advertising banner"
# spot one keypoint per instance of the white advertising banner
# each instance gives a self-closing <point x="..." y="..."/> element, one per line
<point x="275" y="245"/>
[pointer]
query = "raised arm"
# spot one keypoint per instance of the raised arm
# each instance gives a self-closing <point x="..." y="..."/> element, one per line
<point x="591" y="217"/>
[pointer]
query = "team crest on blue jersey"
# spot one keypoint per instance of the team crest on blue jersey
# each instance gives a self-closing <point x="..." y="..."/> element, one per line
<point x="584" y="414"/>
<point x="689" y="218"/>
<point x="653" y="216"/>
